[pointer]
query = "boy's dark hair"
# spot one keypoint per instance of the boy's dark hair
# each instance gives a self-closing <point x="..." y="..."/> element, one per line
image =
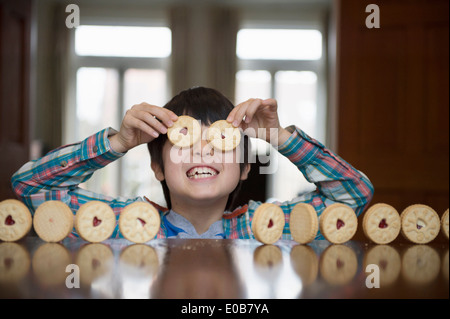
<point x="204" y="104"/>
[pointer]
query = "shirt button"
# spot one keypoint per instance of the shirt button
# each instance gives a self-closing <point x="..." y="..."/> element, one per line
<point x="63" y="163"/>
<point x="95" y="148"/>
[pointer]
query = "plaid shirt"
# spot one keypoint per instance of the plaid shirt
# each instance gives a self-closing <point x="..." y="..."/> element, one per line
<point x="56" y="176"/>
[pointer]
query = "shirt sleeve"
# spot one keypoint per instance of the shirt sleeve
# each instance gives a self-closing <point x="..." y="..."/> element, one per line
<point x="57" y="175"/>
<point x="336" y="180"/>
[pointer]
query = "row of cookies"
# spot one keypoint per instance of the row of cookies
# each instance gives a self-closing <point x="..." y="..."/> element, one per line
<point x="94" y="221"/>
<point x="338" y="223"/>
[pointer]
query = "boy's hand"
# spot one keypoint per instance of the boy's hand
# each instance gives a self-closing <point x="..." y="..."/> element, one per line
<point x="142" y="124"/>
<point x="259" y="114"/>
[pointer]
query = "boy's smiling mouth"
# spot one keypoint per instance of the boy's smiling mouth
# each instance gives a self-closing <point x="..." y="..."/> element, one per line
<point x="200" y="172"/>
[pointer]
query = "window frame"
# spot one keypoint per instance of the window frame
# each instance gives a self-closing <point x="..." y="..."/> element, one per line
<point x="121" y="65"/>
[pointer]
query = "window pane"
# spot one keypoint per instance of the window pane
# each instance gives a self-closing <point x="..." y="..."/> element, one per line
<point x="97" y="109"/>
<point x="296" y="96"/>
<point x="279" y="44"/>
<point x="138" y="179"/>
<point x="253" y="84"/>
<point x="123" y="41"/>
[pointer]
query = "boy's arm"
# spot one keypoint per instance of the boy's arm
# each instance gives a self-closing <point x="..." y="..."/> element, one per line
<point x="335" y="179"/>
<point x="56" y="176"/>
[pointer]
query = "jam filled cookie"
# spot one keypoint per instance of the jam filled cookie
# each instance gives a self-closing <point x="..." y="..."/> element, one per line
<point x="15" y="220"/>
<point x="382" y="223"/>
<point x="303" y="223"/>
<point x="420" y="224"/>
<point x="444" y="223"/>
<point x="95" y="221"/>
<point x="185" y="132"/>
<point x="338" y="223"/>
<point x="268" y="223"/>
<point x="223" y="136"/>
<point x="53" y="221"/>
<point x="139" y="222"/>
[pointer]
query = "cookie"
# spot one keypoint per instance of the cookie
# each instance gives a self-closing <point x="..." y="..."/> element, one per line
<point x="53" y="221"/>
<point x="382" y="224"/>
<point x="186" y="131"/>
<point x="420" y="224"/>
<point x="303" y="223"/>
<point x="223" y="136"/>
<point x="268" y="223"/>
<point x="444" y="223"/>
<point x="15" y="220"/>
<point x="139" y="222"/>
<point x="338" y="223"/>
<point x="95" y="221"/>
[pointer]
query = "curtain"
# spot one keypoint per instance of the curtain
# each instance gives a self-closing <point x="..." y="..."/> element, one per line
<point x="204" y="48"/>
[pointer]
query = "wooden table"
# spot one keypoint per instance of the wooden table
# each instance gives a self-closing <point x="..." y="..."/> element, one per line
<point x="178" y="268"/>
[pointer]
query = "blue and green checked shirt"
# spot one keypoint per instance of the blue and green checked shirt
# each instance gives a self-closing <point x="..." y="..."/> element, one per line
<point x="57" y="176"/>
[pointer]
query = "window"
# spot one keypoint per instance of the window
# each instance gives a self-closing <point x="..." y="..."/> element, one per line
<point x="117" y="67"/>
<point x="288" y="65"/>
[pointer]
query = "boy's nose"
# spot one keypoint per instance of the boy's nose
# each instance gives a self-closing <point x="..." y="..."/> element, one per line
<point x="203" y="148"/>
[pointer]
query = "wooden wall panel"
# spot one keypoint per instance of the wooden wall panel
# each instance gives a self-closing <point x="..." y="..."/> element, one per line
<point x="393" y="100"/>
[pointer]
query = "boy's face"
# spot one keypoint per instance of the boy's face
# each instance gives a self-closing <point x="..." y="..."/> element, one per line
<point x="200" y="174"/>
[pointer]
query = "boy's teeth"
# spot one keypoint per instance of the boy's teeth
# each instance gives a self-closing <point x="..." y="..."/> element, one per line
<point x="201" y="172"/>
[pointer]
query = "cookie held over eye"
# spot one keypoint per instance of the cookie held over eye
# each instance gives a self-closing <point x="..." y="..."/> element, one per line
<point x="303" y="223"/>
<point x="382" y="223"/>
<point x="185" y="132"/>
<point x="268" y="223"/>
<point x="338" y="223"/>
<point x="223" y="136"/>
<point x="53" y="221"/>
<point x="95" y="221"/>
<point x="420" y="223"/>
<point x="15" y="220"/>
<point x="139" y="222"/>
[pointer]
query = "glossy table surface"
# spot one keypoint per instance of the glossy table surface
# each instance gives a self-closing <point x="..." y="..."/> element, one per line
<point x="178" y="268"/>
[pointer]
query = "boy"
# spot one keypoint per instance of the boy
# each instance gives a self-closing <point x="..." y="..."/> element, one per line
<point x="201" y="207"/>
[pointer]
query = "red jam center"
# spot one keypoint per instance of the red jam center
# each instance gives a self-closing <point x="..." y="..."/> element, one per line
<point x="339" y="224"/>
<point x="9" y="221"/>
<point x="339" y="264"/>
<point x="142" y="222"/>
<point x="222" y="136"/>
<point x="270" y="223"/>
<point x="96" y="221"/>
<point x="184" y="131"/>
<point x="383" y="224"/>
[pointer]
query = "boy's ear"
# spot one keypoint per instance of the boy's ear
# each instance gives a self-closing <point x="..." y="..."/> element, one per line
<point x="246" y="170"/>
<point x="159" y="174"/>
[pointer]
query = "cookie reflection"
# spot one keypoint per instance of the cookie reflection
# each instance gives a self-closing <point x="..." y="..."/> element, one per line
<point x="305" y="263"/>
<point x="267" y="260"/>
<point x="338" y="265"/>
<point x="49" y="264"/>
<point x="95" y="261"/>
<point x="420" y="264"/>
<point x="138" y="266"/>
<point x="388" y="261"/>
<point x="14" y="262"/>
